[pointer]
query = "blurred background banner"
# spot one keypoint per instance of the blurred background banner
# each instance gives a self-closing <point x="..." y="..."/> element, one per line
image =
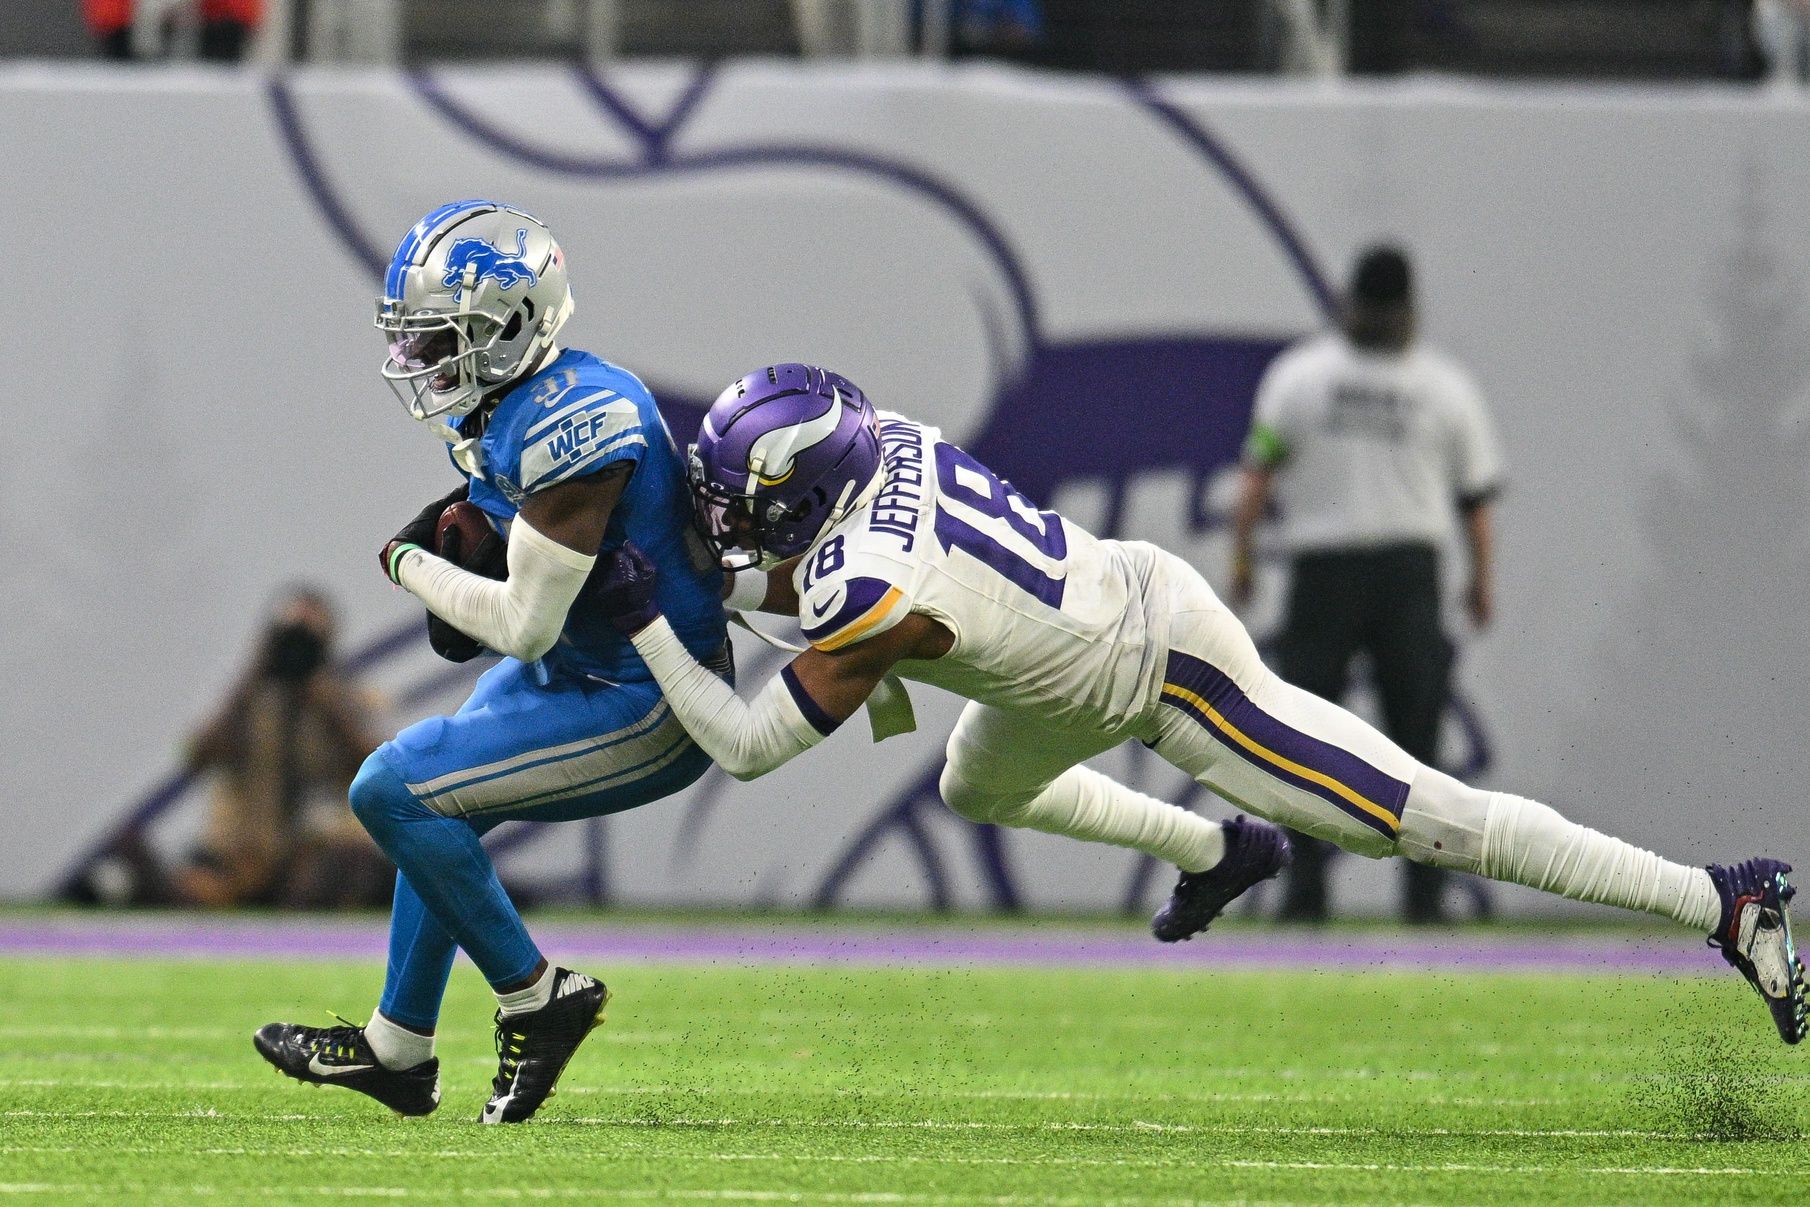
<point x="1080" y="279"/>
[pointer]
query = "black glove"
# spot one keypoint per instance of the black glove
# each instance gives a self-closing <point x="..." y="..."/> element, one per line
<point x="419" y="531"/>
<point x="489" y="558"/>
<point x="449" y="642"/>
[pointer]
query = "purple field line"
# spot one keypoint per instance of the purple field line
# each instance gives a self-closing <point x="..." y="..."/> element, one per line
<point x="312" y="938"/>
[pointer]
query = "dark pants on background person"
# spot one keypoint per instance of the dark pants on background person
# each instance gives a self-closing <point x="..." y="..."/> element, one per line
<point x="1383" y="602"/>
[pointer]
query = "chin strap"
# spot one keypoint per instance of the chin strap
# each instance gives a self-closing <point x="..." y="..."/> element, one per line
<point x="854" y="499"/>
<point x="467" y="454"/>
<point x="889" y="708"/>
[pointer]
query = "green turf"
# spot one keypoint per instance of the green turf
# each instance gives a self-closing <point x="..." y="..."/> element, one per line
<point x="135" y="1081"/>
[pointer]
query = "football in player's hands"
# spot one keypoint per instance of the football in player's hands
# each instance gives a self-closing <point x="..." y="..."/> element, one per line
<point x="464" y="537"/>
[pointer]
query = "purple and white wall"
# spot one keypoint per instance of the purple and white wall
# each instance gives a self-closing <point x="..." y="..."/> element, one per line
<point x="1080" y="280"/>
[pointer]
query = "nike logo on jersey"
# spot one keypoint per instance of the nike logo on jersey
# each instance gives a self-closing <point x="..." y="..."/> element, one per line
<point x="595" y="396"/>
<point x="833" y="602"/>
<point x="324" y="1070"/>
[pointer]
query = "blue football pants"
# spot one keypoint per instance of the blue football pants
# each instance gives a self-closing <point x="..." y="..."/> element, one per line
<point x="516" y="750"/>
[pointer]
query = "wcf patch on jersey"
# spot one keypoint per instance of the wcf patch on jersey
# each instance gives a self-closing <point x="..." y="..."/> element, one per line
<point x="568" y="443"/>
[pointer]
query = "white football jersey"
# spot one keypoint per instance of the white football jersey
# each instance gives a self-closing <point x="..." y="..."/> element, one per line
<point x="1045" y="615"/>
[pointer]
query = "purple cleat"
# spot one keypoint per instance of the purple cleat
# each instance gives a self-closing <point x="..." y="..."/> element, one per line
<point x="1255" y="850"/>
<point x="1754" y="935"/>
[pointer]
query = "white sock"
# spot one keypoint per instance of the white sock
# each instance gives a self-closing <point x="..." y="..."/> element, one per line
<point x="1525" y="842"/>
<point x="1082" y="803"/>
<point x="527" y="1001"/>
<point x="396" y="1046"/>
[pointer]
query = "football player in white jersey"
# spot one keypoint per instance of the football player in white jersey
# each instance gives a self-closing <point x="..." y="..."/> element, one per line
<point x="899" y="553"/>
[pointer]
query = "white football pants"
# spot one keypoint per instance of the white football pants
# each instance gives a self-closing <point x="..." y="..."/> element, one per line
<point x="1282" y="754"/>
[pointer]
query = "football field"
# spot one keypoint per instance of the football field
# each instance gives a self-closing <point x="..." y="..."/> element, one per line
<point x="954" y="1064"/>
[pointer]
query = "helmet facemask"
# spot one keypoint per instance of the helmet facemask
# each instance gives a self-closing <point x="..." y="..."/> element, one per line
<point x="435" y="359"/>
<point x="729" y="521"/>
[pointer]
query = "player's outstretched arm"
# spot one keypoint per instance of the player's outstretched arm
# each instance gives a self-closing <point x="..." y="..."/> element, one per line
<point x="795" y="710"/>
<point x="552" y="548"/>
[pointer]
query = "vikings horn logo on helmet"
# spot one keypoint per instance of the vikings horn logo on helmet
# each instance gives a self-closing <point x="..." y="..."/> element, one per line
<point x="774" y="455"/>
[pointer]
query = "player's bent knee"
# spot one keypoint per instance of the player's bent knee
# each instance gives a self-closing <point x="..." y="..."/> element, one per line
<point x="963" y="797"/>
<point x="1443" y="821"/>
<point x="378" y="796"/>
<point x="978" y="804"/>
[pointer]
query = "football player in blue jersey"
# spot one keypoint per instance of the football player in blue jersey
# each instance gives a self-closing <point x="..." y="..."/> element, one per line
<point x="568" y="458"/>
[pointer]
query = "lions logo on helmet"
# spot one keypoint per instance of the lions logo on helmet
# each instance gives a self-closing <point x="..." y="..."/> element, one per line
<point x="465" y="317"/>
<point x="484" y="259"/>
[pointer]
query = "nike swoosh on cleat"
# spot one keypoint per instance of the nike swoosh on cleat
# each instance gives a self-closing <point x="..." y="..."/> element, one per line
<point x="577" y="983"/>
<point x="320" y="1070"/>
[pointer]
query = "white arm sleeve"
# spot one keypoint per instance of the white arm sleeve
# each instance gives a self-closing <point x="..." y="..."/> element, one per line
<point x="747" y="591"/>
<point x="746" y="740"/>
<point x="521" y="616"/>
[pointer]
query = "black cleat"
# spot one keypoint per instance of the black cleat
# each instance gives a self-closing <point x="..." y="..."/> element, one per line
<point x="1754" y="935"/>
<point x="1255" y="850"/>
<point x="532" y="1049"/>
<point x="342" y="1056"/>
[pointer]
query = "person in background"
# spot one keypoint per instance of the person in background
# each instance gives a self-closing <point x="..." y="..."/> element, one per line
<point x="226" y="27"/>
<point x="1373" y="445"/>
<point x="1782" y="28"/>
<point x="281" y="751"/>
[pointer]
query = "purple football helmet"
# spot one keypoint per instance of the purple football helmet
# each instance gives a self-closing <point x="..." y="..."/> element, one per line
<point x="784" y="453"/>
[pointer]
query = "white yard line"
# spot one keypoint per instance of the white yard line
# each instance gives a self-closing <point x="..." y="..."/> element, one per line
<point x="915" y="1093"/>
<point x="622" y="1194"/>
<point x="934" y="1125"/>
<point x="1209" y="1129"/>
<point x="74" y="1031"/>
<point x="1661" y="1171"/>
<point x="199" y="1113"/>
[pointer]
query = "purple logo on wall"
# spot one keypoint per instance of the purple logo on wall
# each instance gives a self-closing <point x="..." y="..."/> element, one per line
<point x="1187" y="394"/>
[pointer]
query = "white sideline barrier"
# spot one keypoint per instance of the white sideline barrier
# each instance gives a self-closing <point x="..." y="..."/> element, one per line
<point x="196" y="417"/>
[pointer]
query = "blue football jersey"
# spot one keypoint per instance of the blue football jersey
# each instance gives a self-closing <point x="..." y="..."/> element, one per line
<point x="575" y="417"/>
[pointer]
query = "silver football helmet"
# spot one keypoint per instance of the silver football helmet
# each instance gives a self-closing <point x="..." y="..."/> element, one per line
<point x="473" y="299"/>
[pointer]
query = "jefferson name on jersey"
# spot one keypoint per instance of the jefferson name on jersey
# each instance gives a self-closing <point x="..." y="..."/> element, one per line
<point x="837" y="609"/>
<point x="1043" y="614"/>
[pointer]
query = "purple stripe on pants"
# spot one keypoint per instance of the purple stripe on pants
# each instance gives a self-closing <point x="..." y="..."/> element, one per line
<point x="1216" y="688"/>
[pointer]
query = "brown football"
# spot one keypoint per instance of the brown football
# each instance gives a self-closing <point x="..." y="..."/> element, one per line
<point x="472" y="526"/>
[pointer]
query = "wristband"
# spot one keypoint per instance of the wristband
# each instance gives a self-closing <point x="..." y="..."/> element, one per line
<point x="747" y="591"/>
<point x="396" y="557"/>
